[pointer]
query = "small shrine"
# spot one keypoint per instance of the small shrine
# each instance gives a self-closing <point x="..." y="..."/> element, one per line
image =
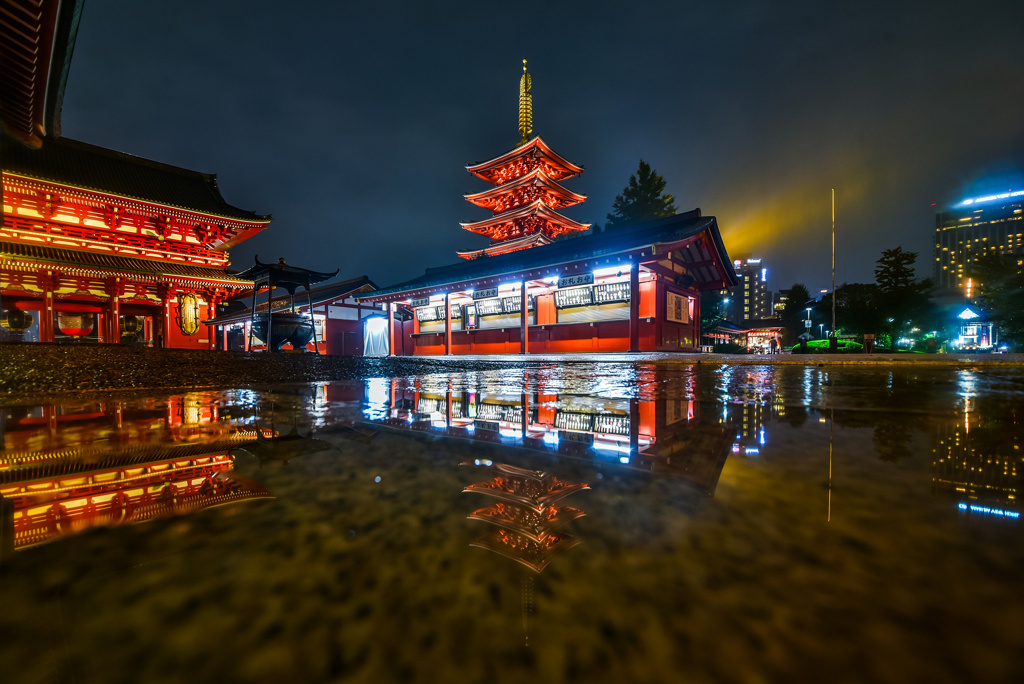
<point x="527" y="193"/>
<point x="278" y="328"/>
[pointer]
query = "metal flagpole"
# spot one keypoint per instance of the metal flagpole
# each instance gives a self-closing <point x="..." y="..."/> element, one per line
<point x="835" y="343"/>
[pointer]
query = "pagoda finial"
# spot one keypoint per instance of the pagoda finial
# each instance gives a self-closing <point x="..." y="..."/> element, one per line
<point x="525" y="106"/>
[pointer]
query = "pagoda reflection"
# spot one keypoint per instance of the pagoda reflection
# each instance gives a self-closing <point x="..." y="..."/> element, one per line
<point x="65" y="468"/>
<point x="526" y="517"/>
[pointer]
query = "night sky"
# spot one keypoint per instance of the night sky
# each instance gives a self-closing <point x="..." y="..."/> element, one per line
<point x="352" y="123"/>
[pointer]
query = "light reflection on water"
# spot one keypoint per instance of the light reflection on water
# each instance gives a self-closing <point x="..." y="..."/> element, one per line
<point x="711" y="509"/>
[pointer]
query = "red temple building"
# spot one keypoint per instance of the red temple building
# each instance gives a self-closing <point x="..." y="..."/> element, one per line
<point x="547" y="285"/>
<point x="98" y="245"/>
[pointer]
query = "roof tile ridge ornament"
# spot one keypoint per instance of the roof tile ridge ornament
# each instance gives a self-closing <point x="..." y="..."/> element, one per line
<point x="525" y="106"/>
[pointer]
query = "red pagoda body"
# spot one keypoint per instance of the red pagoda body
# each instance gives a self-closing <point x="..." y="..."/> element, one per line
<point x="526" y="193"/>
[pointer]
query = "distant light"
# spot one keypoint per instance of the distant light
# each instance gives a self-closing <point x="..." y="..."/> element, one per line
<point x="483" y="461"/>
<point x="990" y="198"/>
<point x="377" y="479"/>
<point x="612" y="270"/>
<point x="967" y="314"/>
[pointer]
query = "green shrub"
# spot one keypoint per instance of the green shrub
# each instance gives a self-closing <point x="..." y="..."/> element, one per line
<point x="822" y="347"/>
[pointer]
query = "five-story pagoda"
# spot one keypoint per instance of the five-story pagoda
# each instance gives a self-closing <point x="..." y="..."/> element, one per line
<point x="527" y="193"/>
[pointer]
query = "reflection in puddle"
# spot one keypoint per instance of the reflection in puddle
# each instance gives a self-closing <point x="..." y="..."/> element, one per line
<point x="681" y="521"/>
<point x="656" y="435"/>
<point x="526" y="516"/>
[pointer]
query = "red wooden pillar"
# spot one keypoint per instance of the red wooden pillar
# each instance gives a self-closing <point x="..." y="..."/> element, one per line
<point x="114" y="323"/>
<point x="166" y="309"/>
<point x="47" y="331"/>
<point x="524" y="320"/>
<point x="391" y="329"/>
<point x="634" y="308"/>
<point x="448" y="323"/>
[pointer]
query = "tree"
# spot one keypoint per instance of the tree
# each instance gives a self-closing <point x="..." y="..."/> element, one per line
<point x="895" y="270"/>
<point x="793" y="313"/>
<point x="642" y="200"/>
<point x="904" y="303"/>
<point x="857" y="308"/>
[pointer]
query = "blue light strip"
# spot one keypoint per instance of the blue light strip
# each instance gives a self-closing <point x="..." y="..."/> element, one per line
<point x="991" y="511"/>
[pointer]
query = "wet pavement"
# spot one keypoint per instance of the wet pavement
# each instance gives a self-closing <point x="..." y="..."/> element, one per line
<point x="560" y="522"/>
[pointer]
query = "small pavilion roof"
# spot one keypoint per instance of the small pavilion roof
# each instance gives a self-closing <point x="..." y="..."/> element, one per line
<point x="319" y="295"/>
<point x="536" y="208"/>
<point x="690" y="237"/>
<point x="490" y="170"/>
<point x="488" y="199"/>
<point x="283" y="275"/>
<point x="81" y="165"/>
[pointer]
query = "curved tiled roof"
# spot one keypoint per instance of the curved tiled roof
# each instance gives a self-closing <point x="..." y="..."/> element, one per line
<point x="81" y="165"/>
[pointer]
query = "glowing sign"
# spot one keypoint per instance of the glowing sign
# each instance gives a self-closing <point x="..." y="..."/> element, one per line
<point x="572" y="281"/>
<point x="990" y="198"/>
<point x="991" y="511"/>
<point x="486" y="293"/>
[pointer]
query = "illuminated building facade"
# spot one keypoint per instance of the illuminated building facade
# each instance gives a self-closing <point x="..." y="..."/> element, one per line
<point x="527" y="193"/>
<point x="973" y="228"/>
<point x="750" y="299"/>
<point x="97" y="245"/>
<point x="633" y="289"/>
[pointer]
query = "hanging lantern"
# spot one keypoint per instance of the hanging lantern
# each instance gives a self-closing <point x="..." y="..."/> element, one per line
<point x="188" y="313"/>
<point x="130" y="326"/>
<point x="75" y="324"/>
<point x="16" y="321"/>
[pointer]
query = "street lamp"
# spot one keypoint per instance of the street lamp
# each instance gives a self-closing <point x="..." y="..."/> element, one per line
<point x="807" y="323"/>
<point x="821" y="328"/>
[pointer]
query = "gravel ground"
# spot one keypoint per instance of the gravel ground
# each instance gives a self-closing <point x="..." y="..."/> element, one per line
<point x="37" y="368"/>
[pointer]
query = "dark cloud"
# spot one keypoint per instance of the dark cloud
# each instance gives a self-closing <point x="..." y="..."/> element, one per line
<point x="352" y="123"/>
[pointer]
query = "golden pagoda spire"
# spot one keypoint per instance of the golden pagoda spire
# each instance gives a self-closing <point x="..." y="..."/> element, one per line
<point x="525" y="106"/>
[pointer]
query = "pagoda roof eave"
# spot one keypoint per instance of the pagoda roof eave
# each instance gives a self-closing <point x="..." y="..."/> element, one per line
<point x="535" y="175"/>
<point x="697" y="236"/>
<point x="536" y="143"/>
<point x="525" y="242"/>
<point x="534" y="208"/>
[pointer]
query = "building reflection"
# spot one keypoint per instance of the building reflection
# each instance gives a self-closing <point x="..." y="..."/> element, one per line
<point x="657" y="435"/>
<point x="65" y="468"/>
<point x="977" y="458"/>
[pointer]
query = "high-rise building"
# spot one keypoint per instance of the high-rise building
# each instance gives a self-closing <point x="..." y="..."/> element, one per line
<point x="973" y="228"/>
<point x="751" y="298"/>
